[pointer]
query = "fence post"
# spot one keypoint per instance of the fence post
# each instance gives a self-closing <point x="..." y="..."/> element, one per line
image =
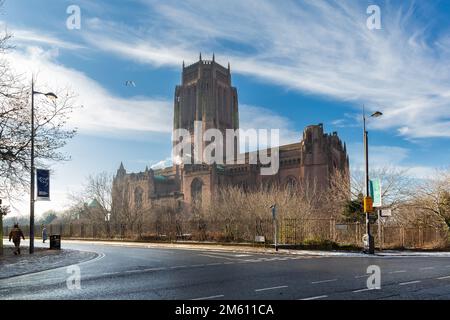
<point x="421" y="237"/>
<point x="357" y="232"/>
<point x="402" y="233"/>
<point x="333" y="230"/>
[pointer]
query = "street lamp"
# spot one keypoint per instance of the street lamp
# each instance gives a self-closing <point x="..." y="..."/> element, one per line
<point x="49" y="95"/>
<point x="371" y="244"/>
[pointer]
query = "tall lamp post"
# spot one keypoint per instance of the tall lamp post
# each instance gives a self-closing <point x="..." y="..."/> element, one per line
<point x="370" y="240"/>
<point x="49" y="95"/>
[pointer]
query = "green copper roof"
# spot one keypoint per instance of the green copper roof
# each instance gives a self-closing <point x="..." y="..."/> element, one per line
<point x="94" y="204"/>
<point x="160" y="178"/>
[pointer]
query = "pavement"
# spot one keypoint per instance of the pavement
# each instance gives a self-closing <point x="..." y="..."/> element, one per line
<point x="174" y="272"/>
<point x="43" y="259"/>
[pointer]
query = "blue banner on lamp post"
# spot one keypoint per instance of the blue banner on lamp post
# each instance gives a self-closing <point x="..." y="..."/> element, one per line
<point x="43" y="184"/>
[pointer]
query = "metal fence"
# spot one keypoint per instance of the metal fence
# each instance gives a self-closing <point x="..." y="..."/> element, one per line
<point x="290" y="232"/>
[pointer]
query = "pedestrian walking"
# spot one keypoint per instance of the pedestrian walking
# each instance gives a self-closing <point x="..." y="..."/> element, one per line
<point x="15" y="234"/>
<point x="44" y="234"/>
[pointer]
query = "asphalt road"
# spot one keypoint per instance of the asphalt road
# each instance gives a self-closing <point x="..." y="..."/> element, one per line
<point x="148" y="273"/>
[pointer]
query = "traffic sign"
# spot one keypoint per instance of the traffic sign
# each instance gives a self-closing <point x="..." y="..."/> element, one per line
<point x="368" y="204"/>
<point x="385" y="213"/>
<point x="375" y="192"/>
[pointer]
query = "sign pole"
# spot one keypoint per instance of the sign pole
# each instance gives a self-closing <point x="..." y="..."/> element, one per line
<point x="370" y="246"/>
<point x="380" y="241"/>
<point x="275" y="225"/>
<point x="31" y="248"/>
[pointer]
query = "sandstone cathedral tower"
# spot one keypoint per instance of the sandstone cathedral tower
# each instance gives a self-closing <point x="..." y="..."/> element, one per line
<point x="206" y="95"/>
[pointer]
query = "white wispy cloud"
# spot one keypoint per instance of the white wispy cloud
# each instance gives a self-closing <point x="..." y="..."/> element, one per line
<point x="167" y="162"/>
<point x="26" y="37"/>
<point x="316" y="47"/>
<point x="257" y="117"/>
<point x="385" y="156"/>
<point x="101" y="111"/>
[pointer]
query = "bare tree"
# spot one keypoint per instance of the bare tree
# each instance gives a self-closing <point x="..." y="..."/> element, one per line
<point x="430" y="199"/>
<point x="395" y="184"/>
<point x="51" y="132"/>
<point x="345" y="196"/>
<point x="94" y="201"/>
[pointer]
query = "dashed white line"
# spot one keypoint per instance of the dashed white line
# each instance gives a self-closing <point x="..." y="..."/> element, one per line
<point x="443" y="278"/>
<point x="324" y="281"/>
<point x="133" y="271"/>
<point x="362" y="290"/>
<point x="217" y="257"/>
<point x="362" y="276"/>
<point x="426" y="268"/>
<point x="209" y="298"/>
<point x="409" y="282"/>
<point x="154" y="269"/>
<point x="398" y="271"/>
<point x="272" y="288"/>
<point x="315" y="298"/>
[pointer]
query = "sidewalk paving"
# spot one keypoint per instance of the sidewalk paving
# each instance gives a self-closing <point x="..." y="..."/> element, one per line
<point x="42" y="259"/>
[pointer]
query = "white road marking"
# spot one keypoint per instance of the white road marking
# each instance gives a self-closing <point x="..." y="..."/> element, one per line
<point x="314" y="298"/>
<point x="272" y="288"/>
<point x="133" y="271"/>
<point x="217" y="257"/>
<point x="398" y="271"/>
<point x="110" y="273"/>
<point x="362" y="290"/>
<point x="226" y="254"/>
<point x="155" y="269"/>
<point x="362" y="276"/>
<point x="443" y="278"/>
<point x="410" y="282"/>
<point x="323" y="281"/>
<point x="208" y="298"/>
<point x="214" y="264"/>
<point x="426" y="268"/>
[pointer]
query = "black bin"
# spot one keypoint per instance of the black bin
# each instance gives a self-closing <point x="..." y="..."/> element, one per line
<point x="55" y="242"/>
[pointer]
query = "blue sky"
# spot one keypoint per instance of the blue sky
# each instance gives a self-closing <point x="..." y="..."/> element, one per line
<point x="294" y="63"/>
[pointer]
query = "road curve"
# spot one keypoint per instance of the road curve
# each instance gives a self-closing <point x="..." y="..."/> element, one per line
<point x="122" y="272"/>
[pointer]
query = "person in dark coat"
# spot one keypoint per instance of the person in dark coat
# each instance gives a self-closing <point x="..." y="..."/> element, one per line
<point x="44" y="234"/>
<point x="15" y="234"/>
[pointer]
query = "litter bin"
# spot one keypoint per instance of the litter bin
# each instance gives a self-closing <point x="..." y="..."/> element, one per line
<point x="55" y="242"/>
